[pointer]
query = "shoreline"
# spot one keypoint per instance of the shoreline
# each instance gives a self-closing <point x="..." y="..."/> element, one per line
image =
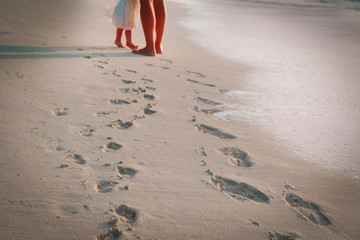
<point x="303" y="90"/>
<point x="84" y="149"/>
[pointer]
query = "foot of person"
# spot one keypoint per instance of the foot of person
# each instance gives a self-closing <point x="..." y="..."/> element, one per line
<point x="145" y="52"/>
<point x="158" y="49"/>
<point x="132" y="46"/>
<point x="119" y="44"/>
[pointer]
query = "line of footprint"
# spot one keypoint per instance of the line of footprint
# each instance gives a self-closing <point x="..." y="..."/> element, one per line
<point x="239" y="190"/>
<point x="121" y="223"/>
<point x="126" y="216"/>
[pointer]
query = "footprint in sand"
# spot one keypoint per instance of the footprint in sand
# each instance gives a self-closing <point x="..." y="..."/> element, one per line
<point x="214" y="131"/>
<point x="60" y="111"/>
<point x="76" y="157"/>
<point x="104" y="186"/>
<point x="152" y="65"/>
<point x="200" y="83"/>
<point x="131" y="71"/>
<point x="116" y="74"/>
<point x="307" y="209"/>
<point x="128" y="81"/>
<point x="139" y="90"/>
<point x="125" y="172"/>
<point x="223" y="91"/>
<point x="150" y="88"/>
<point x="238" y="190"/>
<point x="98" y="66"/>
<point x="206" y="111"/>
<point x="103" y="62"/>
<point x="203" y="152"/>
<point x="147" y="80"/>
<point x="149" y="96"/>
<point x="148" y="110"/>
<point x="104" y="113"/>
<point x="277" y="236"/>
<point x="121" y="229"/>
<point x="113" y="232"/>
<point x="124" y="90"/>
<point x="122" y="101"/>
<point x="237" y="156"/>
<point x="126" y="213"/>
<point x="203" y="163"/>
<point x="135" y="90"/>
<point x="79" y="159"/>
<point x="198" y="74"/>
<point x="289" y="187"/>
<point x="87" y="132"/>
<point x="166" y="60"/>
<point x="210" y="111"/>
<point x="149" y="64"/>
<point x="139" y="116"/>
<point x="120" y="124"/>
<point x="19" y="75"/>
<point x="209" y="102"/>
<point x="111" y="146"/>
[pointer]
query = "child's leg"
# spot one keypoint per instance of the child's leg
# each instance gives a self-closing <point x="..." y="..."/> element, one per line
<point x="119" y="33"/>
<point x="129" y="43"/>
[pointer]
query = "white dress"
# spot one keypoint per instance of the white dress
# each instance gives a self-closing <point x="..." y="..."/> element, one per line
<point x="126" y="14"/>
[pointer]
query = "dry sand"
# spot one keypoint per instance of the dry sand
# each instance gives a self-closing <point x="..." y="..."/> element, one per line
<point x="98" y="142"/>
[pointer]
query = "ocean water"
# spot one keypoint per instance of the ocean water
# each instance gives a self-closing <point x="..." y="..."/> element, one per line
<point x="305" y="89"/>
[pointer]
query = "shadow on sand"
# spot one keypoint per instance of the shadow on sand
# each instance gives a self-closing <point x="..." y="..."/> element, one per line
<point x="28" y="52"/>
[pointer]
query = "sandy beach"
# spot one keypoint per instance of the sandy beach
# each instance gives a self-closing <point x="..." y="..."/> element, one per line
<point x="99" y="143"/>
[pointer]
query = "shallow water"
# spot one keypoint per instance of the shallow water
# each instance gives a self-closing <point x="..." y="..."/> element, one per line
<point x="306" y="87"/>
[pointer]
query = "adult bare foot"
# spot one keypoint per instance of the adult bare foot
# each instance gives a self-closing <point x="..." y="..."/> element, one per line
<point x="132" y="46"/>
<point x="159" y="49"/>
<point x="145" y="52"/>
<point x="119" y="44"/>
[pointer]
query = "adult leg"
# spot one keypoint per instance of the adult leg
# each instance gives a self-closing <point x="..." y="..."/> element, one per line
<point x="148" y="22"/>
<point x="160" y="16"/>
<point x="119" y="33"/>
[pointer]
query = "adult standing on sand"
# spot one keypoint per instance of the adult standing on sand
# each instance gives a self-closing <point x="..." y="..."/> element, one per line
<point x="153" y="18"/>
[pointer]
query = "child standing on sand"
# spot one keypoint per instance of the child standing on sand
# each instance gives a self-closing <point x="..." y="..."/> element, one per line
<point x="126" y="17"/>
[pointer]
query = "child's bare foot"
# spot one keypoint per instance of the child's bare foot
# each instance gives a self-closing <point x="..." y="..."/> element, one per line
<point x="159" y="49"/>
<point x="145" y="51"/>
<point x="132" y="46"/>
<point x="119" y="44"/>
